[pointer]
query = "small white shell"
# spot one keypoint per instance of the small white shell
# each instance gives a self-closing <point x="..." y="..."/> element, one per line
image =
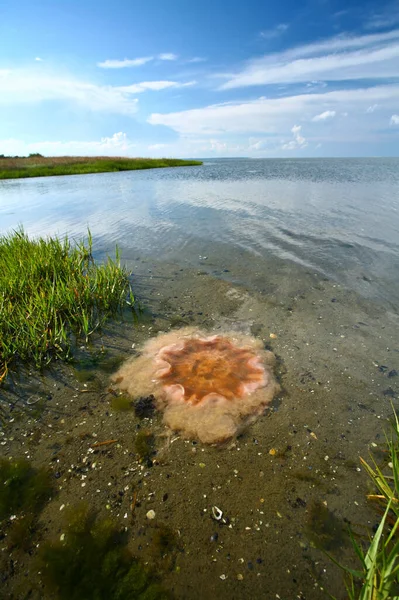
<point x="217" y="514"/>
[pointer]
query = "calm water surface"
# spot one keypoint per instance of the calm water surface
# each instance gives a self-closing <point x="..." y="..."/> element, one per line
<point x="339" y="217"/>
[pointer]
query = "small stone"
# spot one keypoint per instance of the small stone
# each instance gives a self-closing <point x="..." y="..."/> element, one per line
<point x="240" y="576"/>
<point x="151" y="514"/>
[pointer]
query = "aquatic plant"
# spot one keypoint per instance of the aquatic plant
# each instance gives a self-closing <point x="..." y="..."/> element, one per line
<point x="36" y="165"/>
<point x="378" y="578"/>
<point x="121" y="402"/>
<point x="144" y="444"/>
<point x="51" y="293"/>
<point x="22" y="488"/>
<point x="23" y="493"/>
<point x="93" y="562"/>
<point x="208" y="386"/>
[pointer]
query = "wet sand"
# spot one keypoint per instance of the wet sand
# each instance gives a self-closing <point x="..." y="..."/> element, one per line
<point x="288" y="487"/>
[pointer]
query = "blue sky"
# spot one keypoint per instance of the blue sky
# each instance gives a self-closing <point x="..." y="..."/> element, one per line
<point x="206" y="79"/>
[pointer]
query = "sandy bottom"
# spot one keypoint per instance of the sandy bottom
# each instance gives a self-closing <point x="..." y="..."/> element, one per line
<point x="252" y="517"/>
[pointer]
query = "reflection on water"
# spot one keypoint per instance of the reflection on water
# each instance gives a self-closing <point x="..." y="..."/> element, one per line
<point x="337" y="216"/>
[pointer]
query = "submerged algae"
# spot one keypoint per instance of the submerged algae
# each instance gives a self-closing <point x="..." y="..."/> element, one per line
<point x="23" y="488"/>
<point x="92" y="561"/>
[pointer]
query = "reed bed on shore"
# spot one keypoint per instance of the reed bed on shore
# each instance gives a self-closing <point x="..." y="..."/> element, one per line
<point x="51" y="294"/>
<point x="37" y="165"/>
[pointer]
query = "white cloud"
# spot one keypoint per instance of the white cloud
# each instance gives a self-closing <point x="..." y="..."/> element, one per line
<point x="126" y="62"/>
<point x="371" y="109"/>
<point x="386" y="17"/>
<point x="394" y="120"/>
<point x="116" y="145"/>
<point x="38" y="59"/>
<point x="274" y="32"/>
<point x="327" y="114"/>
<point x="298" y="141"/>
<point x="138" y="88"/>
<point x="257" y="144"/>
<point x="168" y="56"/>
<point x="196" y="59"/>
<point x="24" y="86"/>
<point x="270" y="115"/>
<point x="134" y="62"/>
<point x="335" y="59"/>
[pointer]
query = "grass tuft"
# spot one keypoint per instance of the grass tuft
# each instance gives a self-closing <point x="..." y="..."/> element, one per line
<point x="378" y="576"/>
<point x="51" y="294"/>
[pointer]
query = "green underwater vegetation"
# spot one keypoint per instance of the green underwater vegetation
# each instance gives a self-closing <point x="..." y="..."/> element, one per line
<point x="91" y="561"/>
<point x="23" y="493"/>
<point x="144" y="444"/>
<point x="22" y="488"/>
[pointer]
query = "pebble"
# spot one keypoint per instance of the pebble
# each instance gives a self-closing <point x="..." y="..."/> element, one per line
<point x="150" y="514"/>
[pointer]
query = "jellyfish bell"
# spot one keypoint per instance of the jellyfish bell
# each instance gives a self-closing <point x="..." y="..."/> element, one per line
<point x="208" y="386"/>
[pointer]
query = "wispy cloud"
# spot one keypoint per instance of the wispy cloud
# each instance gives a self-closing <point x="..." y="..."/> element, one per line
<point x="196" y="59"/>
<point x="135" y="62"/>
<point x="125" y="63"/>
<point x="168" y="56"/>
<point x="394" y="120"/>
<point x="373" y="56"/>
<point x="274" y="32"/>
<point x="38" y="59"/>
<point x="327" y="114"/>
<point x="385" y="17"/>
<point x="371" y="109"/>
<point x="270" y="115"/>
<point x="117" y="144"/>
<point x="28" y="86"/>
<point x="138" y="88"/>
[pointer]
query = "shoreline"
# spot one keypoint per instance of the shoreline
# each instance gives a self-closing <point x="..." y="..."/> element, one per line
<point x="43" y="166"/>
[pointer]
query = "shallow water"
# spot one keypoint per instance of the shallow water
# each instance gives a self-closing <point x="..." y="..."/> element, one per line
<point x="303" y="254"/>
<point x="339" y="217"/>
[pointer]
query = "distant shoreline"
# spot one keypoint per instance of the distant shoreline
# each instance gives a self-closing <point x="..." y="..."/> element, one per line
<point x="36" y="165"/>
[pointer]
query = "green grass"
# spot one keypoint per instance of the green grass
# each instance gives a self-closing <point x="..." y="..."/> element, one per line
<point x="378" y="577"/>
<point x="39" y="166"/>
<point x="51" y="294"/>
